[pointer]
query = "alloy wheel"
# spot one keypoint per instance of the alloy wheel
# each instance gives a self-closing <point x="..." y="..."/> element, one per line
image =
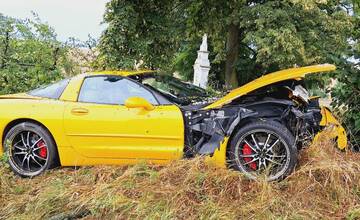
<point x="28" y="152"/>
<point x="262" y="151"/>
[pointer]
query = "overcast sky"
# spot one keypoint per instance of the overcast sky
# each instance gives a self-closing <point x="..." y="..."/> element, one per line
<point x="70" y="18"/>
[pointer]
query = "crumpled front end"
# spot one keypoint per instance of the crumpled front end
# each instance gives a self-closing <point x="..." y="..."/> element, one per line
<point x="281" y="96"/>
<point x="208" y="131"/>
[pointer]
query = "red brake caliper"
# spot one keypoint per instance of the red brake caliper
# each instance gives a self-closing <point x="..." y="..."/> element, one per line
<point x="248" y="151"/>
<point x="42" y="149"/>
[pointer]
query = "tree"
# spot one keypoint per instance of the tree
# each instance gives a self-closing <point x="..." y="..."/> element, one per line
<point x="247" y="38"/>
<point x="138" y="30"/>
<point x="30" y="55"/>
<point x="82" y="55"/>
<point x="347" y="91"/>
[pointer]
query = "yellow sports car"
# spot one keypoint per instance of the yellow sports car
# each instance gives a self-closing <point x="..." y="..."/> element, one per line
<point x="120" y="117"/>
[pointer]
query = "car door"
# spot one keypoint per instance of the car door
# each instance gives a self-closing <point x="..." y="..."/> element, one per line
<point x="98" y="125"/>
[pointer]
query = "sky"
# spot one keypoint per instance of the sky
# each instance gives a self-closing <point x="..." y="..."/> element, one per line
<point x="69" y="18"/>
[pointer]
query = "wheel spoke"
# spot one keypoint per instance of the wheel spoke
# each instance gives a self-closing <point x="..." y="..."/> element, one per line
<point x="20" y="148"/>
<point x="28" y="163"/>
<point x="37" y="148"/>
<point x="271" y="147"/>
<point x="252" y="148"/>
<point x="28" y="139"/>
<point x="33" y="158"/>
<point x="17" y="143"/>
<point x="23" y="140"/>
<point x="255" y="142"/>
<point x="23" y="161"/>
<point x="39" y="157"/>
<point x="273" y="161"/>
<point x="20" y="153"/>
<point x="251" y="161"/>
<point x="36" y="142"/>
<point x="249" y="155"/>
<point x="267" y="140"/>
<point x="276" y="156"/>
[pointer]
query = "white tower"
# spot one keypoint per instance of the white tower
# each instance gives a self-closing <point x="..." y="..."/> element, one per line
<point x="202" y="65"/>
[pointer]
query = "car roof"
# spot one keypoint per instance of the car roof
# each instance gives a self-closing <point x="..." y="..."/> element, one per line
<point x="121" y="72"/>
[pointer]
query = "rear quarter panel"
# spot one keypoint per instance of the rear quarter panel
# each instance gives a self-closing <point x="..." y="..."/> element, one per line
<point x="45" y="111"/>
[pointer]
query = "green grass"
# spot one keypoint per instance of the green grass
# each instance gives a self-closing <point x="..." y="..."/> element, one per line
<point x="325" y="185"/>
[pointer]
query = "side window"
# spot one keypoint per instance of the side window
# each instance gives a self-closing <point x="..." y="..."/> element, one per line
<point x="52" y="91"/>
<point x="112" y="90"/>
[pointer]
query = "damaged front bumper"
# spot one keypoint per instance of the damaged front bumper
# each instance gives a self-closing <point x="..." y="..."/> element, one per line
<point x="335" y="129"/>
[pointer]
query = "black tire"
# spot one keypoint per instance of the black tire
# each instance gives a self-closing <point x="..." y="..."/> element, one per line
<point x="243" y="152"/>
<point x="31" y="149"/>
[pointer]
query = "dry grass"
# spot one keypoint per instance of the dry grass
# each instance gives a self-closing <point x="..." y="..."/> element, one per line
<point x="326" y="185"/>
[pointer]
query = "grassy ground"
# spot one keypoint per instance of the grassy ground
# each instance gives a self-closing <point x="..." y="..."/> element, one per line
<point x="326" y="185"/>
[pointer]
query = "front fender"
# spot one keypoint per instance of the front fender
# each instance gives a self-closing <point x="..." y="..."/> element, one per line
<point x="336" y="129"/>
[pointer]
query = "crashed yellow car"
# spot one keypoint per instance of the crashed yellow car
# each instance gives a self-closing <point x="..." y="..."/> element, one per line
<point x="119" y="117"/>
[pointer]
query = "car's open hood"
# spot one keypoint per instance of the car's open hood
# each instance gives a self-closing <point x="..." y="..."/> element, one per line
<point x="282" y="75"/>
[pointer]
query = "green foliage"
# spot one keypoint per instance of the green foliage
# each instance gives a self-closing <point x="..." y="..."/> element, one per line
<point x="30" y="55"/>
<point x="272" y="34"/>
<point x="138" y="30"/>
<point x="269" y="35"/>
<point x="297" y="32"/>
<point x="276" y="34"/>
<point x="4" y="159"/>
<point x="347" y="91"/>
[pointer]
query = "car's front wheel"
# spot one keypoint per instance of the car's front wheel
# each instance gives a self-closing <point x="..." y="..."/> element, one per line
<point x="30" y="148"/>
<point x="263" y="148"/>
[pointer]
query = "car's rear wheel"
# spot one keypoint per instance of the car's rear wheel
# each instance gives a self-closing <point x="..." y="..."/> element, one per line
<point x="264" y="148"/>
<point x="31" y="149"/>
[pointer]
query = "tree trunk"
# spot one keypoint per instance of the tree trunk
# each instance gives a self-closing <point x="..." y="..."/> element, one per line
<point x="232" y="54"/>
<point x="55" y="58"/>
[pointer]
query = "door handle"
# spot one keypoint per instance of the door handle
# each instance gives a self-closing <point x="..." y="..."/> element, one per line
<point x="79" y="111"/>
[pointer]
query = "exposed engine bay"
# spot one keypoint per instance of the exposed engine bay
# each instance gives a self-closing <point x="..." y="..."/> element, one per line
<point x="287" y="102"/>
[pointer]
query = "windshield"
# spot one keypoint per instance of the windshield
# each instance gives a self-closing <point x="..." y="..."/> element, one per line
<point x="52" y="91"/>
<point x="173" y="88"/>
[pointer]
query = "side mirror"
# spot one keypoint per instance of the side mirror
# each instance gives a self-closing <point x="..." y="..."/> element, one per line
<point x="138" y="102"/>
